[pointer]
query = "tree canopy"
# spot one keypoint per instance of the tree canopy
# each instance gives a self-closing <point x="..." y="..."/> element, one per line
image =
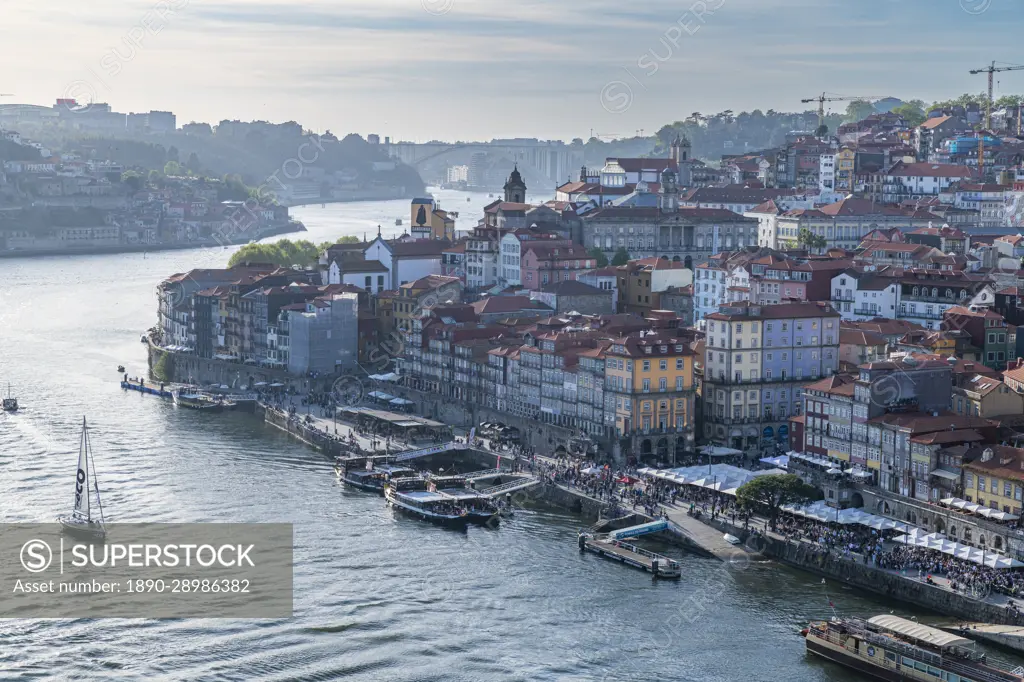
<point x="598" y="255"/>
<point x="621" y="256"/>
<point x="285" y="252"/>
<point x="771" y="492"/>
<point x="858" y="110"/>
<point x="912" y="111"/>
<point x="811" y="241"/>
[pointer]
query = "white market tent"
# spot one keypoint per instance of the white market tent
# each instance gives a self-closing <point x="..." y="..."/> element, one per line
<point x="782" y="461"/>
<point x="819" y="511"/>
<point x="720" y="451"/>
<point x="724" y="478"/>
<point x="390" y="376"/>
<point x="940" y="543"/>
<point x="987" y="512"/>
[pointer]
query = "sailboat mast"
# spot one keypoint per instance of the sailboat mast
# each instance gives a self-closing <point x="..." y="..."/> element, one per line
<point x="92" y="465"/>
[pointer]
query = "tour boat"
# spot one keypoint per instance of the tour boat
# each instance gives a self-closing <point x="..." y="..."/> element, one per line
<point x="892" y="648"/>
<point x="480" y="508"/>
<point x="10" y="403"/>
<point x="80" y="521"/>
<point x="413" y="496"/>
<point x="195" y="401"/>
<point x="363" y="474"/>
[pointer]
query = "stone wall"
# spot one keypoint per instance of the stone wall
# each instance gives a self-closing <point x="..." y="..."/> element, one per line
<point x="185" y="368"/>
<point x="807" y="557"/>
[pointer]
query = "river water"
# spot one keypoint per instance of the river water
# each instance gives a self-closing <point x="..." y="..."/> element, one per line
<point x="376" y="596"/>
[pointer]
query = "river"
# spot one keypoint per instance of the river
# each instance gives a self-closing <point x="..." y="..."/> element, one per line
<point x="376" y="596"/>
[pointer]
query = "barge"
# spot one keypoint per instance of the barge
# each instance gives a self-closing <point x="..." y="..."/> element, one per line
<point x="891" y="648"/>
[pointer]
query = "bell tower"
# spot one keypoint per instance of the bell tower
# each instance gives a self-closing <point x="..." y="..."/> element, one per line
<point x="668" y="193"/>
<point x="515" y="188"/>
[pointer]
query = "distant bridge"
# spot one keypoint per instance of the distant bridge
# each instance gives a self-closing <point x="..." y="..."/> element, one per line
<point x="552" y="160"/>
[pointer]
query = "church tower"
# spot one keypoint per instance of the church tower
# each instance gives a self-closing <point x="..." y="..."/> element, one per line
<point x="668" y="193"/>
<point x="681" y="154"/>
<point x="515" y="188"/>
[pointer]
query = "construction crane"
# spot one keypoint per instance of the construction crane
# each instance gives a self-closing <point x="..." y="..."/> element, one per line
<point x="992" y="69"/>
<point x="826" y="97"/>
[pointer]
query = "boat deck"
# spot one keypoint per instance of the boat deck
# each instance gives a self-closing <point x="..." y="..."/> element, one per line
<point x="631" y="555"/>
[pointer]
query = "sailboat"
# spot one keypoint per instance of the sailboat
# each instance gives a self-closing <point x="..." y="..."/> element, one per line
<point x="80" y="520"/>
<point x="10" y="403"/>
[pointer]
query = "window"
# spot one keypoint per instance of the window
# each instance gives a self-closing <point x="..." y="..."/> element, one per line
<point x="679" y="363"/>
<point x="663" y="384"/>
<point x="369" y="281"/>
<point x="647" y="365"/>
<point x="663" y="365"/>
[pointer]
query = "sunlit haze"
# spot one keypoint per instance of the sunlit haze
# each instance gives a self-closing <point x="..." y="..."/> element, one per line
<point x="476" y="69"/>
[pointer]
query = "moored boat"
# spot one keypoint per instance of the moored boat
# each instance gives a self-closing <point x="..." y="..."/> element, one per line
<point x="372" y="478"/>
<point x="480" y="508"/>
<point x="194" y="400"/>
<point x="414" y="496"/>
<point x="80" y="521"/>
<point x="888" y="647"/>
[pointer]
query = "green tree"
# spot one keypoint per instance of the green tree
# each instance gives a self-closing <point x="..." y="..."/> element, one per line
<point x="132" y="179"/>
<point x="598" y="255"/>
<point x="284" y="253"/>
<point x="621" y="256"/>
<point x="172" y="168"/>
<point x="811" y="241"/>
<point x="912" y="112"/>
<point x="858" y="110"/>
<point x="770" y="493"/>
<point x="193" y="164"/>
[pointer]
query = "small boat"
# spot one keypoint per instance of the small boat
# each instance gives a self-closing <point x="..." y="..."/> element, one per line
<point x="888" y="647"/>
<point x="414" y="496"/>
<point x="120" y="369"/>
<point x="731" y="539"/>
<point x="468" y="200"/>
<point x="80" y="521"/>
<point x="398" y="221"/>
<point x="196" y="401"/>
<point x="10" y="403"/>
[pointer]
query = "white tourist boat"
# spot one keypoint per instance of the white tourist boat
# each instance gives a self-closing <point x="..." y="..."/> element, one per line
<point x="416" y="497"/>
<point x="81" y="521"/>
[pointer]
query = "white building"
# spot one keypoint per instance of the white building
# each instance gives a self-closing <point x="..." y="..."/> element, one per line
<point x="919" y="180"/>
<point x="827" y="173"/>
<point x="864" y="294"/>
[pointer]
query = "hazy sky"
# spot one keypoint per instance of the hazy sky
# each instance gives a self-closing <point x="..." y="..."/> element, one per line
<point x="476" y="69"/>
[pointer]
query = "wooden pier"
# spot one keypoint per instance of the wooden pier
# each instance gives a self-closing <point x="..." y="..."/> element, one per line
<point x="631" y="555"/>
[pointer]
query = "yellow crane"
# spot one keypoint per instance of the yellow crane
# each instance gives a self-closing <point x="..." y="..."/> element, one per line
<point x="991" y="70"/>
<point x="827" y="97"/>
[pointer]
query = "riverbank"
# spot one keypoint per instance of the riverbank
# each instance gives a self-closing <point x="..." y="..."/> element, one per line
<point x="289" y="228"/>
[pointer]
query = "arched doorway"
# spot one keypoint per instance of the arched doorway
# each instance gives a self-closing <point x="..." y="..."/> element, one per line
<point x="967" y="535"/>
<point x="645" y="447"/>
<point x="663" y="448"/>
<point x="680" y="448"/>
<point x="886" y="509"/>
<point x="939" y="526"/>
<point x="997" y="543"/>
<point x="856" y="501"/>
<point x="688" y="262"/>
<point x="952" y="532"/>
<point x="981" y="541"/>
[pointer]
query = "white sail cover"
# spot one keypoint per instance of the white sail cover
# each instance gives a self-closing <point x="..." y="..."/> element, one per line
<point x="82" y="478"/>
